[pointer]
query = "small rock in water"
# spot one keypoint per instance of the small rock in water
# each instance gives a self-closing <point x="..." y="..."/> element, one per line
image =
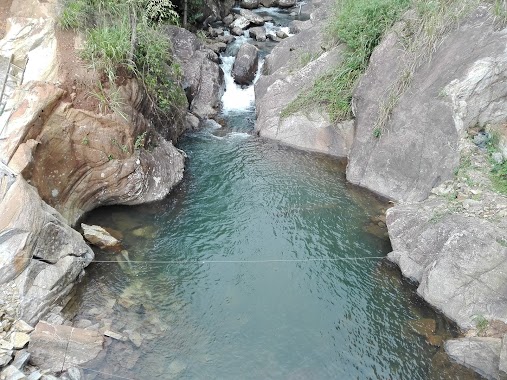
<point x="228" y="19"/>
<point x="98" y="236"/>
<point x="176" y="367"/>
<point x="148" y="232"/>
<point x="424" y="327"/>
<point x="281" y="34"/>
<point x="113" y="335"/>
<point x="136" y="338"/>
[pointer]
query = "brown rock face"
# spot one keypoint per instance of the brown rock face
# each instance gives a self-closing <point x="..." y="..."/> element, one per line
<point x="84" y="160"/>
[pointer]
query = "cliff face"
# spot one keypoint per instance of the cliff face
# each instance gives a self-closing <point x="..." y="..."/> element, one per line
<point x="62" y="154"/>
<point x="290" y="69"/>
<point x="419" y="146"/>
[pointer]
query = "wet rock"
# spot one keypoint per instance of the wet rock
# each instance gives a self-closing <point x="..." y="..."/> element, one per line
<point x="136" y="338"/>
<point x="245" y="64"/>
<point x="192" y="122"/>
<point x="228" y="19"/>
<point x="281" y="34"/>
<point x="424" y="327"/>
<point x="218" y="47"/>
<point x="259" y="33"/>
<point x="58" y="348"/>
<point x="480" y="354"/>
<point x="176" y="368"/>
<point x="226" y="39"/>
<point x="286" y="3"/>
<point x="252" y="17"/>
<point x="249" y="4"/>
<point x="269" y="3"/>
<point x="83" y="323"/>
<point x="12" y="373"/>
<point x="113" y="335"/>
<point x="237" y="31"/>
<point x="240" y="23"/>
<point x="98" y="236"/>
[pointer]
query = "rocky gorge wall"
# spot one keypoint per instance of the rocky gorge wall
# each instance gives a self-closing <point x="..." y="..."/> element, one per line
<point x="447" y="228"/>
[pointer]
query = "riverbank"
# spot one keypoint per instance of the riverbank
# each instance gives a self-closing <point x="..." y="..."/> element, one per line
<point x="432" y="155"/>
<point x="102" y="159"/>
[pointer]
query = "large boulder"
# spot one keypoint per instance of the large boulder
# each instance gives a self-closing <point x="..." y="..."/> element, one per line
<point x="480" y="354"/>
<point x="83" y="160"/>
<point x="249" y="4"/>
<point x="203" y="77"/>
<point x="239" y="24"/>
<point x="290" y="69"/>
<point x="269" y="3"/>
<point x="57" y="348"/>
<point x="252" y="17"/>
<point x="258" y="32"/>
<point x="458" y="260"/>
<point x="418" y="146"/>
<point x="246" y="64"/>
<point x="40" y="255"/>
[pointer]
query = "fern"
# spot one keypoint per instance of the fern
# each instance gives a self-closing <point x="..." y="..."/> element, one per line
<point x="159" y="10"/>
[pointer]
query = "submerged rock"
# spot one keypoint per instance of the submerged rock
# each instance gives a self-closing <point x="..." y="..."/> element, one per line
<point x="98" y="236"/>
<point x="245" y="64"/>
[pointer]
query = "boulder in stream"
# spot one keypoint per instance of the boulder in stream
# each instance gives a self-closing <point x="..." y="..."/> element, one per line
<point x="245" y="65"/>
<point x="98" y="236"/>
<point x="258" y="32"/>
<point x="286" y="3"/>
<point x="249" y="4"/>
<point x="269" y="3"/>
<point x="252" y="17"/>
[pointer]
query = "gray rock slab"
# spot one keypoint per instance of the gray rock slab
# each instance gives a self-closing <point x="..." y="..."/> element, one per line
<point x="480" y="354"/>
<point x="58" y="348"/>
<point x="419" y="144"/>
<point x="457" y="260"/>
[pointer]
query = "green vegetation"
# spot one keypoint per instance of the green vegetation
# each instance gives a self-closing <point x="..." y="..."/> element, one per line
<point x="361" y="24"/>
<point x="140" y="141"/>
<point x="500" y="11"/>
<point x="481" y="323"/>
<point x="125" y="39"/>
<point x="499" y="169"/>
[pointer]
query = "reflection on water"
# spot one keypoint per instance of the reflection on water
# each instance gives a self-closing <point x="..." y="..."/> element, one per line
<point x="190" y="307"/>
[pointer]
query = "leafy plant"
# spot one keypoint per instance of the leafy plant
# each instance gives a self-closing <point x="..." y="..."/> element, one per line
<point x="85" y="140"/>
<point x="140" y="141"/>
<point x="481" y="323"/>
<point x="498" y="169"/>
